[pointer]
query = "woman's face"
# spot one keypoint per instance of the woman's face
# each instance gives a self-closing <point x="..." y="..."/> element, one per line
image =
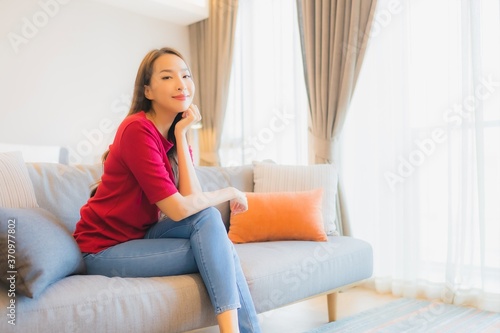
<point x="171" y="88"/>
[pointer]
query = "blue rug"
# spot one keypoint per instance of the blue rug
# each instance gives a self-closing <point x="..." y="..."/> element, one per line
<point x="411" y="315"/>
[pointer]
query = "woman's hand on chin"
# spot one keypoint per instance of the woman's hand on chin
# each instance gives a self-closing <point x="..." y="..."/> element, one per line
<point x="189" y="117"/>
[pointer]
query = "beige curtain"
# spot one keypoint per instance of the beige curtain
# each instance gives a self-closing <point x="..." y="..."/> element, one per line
<point x="211" y="43"/>
<point x="334" y="35"/>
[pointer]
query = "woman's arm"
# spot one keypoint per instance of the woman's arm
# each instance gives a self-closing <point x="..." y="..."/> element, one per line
<point x="178" y="207"/>
<point x="188" y="180"/>
<point x="191" y="199"/>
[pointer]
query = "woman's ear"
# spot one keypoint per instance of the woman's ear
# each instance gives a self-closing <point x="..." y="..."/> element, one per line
<point x="147" y="92"/>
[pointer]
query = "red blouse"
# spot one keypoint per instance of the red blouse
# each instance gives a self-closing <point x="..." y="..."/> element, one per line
<point x="137" y="174"/>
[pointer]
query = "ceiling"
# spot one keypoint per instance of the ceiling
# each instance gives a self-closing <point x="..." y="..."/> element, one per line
<point x="183" y="12"/>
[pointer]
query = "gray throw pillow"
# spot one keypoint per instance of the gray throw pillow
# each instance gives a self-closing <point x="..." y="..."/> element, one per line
<point x="37" y="249"/>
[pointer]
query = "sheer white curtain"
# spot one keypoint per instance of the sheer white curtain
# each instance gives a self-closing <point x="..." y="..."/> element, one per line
<point x="266" y="117"/>
<point x="420" y="154"/>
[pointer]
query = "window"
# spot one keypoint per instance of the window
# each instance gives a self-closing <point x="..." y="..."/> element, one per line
<point x="266" y="117"/>
<point x="421" y="150"/>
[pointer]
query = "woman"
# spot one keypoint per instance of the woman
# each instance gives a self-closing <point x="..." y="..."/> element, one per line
<point x="148" y="176"/>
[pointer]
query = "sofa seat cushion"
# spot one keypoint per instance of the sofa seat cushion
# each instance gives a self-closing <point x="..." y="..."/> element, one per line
<point x="93" y="303"/>
<point x="280" y="273"/>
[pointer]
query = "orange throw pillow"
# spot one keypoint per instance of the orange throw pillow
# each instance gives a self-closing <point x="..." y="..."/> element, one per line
<point x="278" y="216"/>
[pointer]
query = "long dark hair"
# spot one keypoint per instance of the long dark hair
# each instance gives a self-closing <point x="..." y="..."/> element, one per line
<point x="141" y="103"/>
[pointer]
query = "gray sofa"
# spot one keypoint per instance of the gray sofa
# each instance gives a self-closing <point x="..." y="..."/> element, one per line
<point x="278" y="273"/>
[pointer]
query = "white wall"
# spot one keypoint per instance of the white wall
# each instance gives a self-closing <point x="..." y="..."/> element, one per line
<point x="68" y="82"/>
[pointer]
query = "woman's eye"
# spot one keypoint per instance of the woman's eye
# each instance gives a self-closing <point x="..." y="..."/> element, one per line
<point x="187" y="76"/>
<point x="166" y="78"/>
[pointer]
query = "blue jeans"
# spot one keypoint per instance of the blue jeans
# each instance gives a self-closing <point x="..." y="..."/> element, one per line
<point x="198" y="243"/>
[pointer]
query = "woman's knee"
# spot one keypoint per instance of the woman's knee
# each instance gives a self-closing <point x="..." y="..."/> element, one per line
<point x="209" y="215"/>
<point x="211" y="212"/>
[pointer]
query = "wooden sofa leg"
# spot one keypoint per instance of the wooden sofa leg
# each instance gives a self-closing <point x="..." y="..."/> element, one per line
<point x="331" y="300"/>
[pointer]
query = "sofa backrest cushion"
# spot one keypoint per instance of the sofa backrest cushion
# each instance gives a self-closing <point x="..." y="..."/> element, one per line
<point x="16" y="190"/>
<point x="63" y="189"/>
<point x="270" y="177"/>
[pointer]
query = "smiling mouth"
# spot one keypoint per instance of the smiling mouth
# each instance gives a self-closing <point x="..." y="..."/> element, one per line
<point x="181" y="97"/>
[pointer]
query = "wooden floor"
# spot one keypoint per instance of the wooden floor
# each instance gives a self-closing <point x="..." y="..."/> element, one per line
<point x="306" y="315"/>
